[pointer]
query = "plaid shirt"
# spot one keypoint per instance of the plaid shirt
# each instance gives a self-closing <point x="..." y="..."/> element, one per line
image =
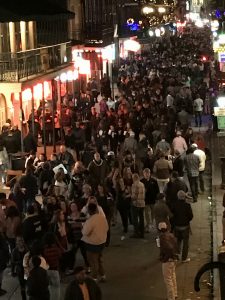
<point x="138" y="194"/>
<point x="192" y="163"/>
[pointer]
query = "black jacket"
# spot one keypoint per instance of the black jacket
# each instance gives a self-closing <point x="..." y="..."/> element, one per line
<point x="73" y="291"/>
<point x="29" y="182"/>
<point x="182" y="213"/>
<point x="173" y="188"/>
<point x="32" y="228"/>
<point x="37" y="284"/>
<point x="4" y="253"/>
<point x="151" y="190"/>
<point x="178" y="165"/>
<point x="29" y="143"/>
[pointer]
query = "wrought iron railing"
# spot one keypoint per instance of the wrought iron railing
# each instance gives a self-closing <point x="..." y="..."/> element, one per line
<point x="20" y="65"/>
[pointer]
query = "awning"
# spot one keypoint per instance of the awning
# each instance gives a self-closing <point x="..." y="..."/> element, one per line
<point x="31" y="10"/>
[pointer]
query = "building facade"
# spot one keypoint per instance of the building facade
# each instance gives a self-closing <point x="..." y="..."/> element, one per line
<point x="34" y="49"/>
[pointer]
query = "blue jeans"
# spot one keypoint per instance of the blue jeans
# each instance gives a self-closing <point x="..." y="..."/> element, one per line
<point x="54" y="284"/>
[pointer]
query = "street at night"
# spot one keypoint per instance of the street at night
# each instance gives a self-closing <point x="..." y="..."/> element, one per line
<point x="112" y="150"/>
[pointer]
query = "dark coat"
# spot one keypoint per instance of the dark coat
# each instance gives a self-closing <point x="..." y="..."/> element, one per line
<point x="29" y="143"/>
<point x="4" y="253"/>
<point x="29" y="182"/>
<point x="73" y="291"/>
<point x="37" y="284"/>
<point x="182" y="213"/>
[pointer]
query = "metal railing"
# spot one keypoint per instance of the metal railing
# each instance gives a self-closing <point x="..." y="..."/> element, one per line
<point x="21" y="65"/>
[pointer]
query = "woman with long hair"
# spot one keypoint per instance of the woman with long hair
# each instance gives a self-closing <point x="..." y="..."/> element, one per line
<point x="74" y="221"/>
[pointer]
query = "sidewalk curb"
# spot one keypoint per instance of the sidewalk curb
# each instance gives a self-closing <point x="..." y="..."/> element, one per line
<point x="214" y="215"/>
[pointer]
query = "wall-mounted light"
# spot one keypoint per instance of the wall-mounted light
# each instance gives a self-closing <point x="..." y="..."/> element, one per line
<point x="147" y="10"/>
<point x="161" y="10"/>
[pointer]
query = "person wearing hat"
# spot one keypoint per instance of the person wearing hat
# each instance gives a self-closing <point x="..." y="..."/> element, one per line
<point x="168" y="257"/>
<point x="82" y="287"/>
<point x="182" y="216"/>
<point x="179" y="143"/>
<point x="202" y="157"/>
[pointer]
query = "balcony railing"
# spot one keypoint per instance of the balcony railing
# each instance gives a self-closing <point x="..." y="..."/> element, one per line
<point x="21" y="65"/>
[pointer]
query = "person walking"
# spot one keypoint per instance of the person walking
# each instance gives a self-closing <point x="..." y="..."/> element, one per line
<point x="162" y="168"/>
<point x="202" y="158"/>
<point x="198" y="108"/>
<point x="138" y="205"/>
<point x="37" y="282"/>
<point x="179" y="143"/>
<point x="182" y="216"/>
<point x="162" y="212"/>
<point x="192" y="163"/>
<point x="168" y="257"/>
<point x="82" y="287"/>
<point x="94" y="235"/>
<point x="151" y="192"/>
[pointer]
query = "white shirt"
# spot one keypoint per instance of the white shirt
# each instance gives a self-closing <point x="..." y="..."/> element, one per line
<point x="169" y="100"/>
<point x="202" y="157"/>
<point x="198" y="104"/>
<point x="95" y="230"/>
<point x="110" y="104"/>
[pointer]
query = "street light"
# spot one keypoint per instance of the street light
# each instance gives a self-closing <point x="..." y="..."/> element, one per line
<point x="161" y="10"/>
<point x="151" y="33"/>
<point x="148" y="10"/>
<point x="157" y="32"/>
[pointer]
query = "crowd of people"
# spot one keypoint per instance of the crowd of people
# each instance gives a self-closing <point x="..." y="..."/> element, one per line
<point x="127" y="159"/>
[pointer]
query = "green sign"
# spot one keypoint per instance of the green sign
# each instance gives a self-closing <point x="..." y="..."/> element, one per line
<point x="221" y="122"/>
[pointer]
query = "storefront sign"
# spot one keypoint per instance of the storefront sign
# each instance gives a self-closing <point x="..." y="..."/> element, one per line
<point x="219" y="111"/>
<point x="221" y="122"/>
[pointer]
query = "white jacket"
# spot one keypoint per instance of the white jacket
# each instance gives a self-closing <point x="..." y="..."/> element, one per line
<point x="202" y="157"/>
<point x="95" y="230"/>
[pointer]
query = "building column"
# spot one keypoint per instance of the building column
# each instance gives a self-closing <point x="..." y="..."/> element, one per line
<point x="12" y="37"/>
<point x="23" y="35"/>
<point x="1" y="37"/>
<point x="31" y="34"/>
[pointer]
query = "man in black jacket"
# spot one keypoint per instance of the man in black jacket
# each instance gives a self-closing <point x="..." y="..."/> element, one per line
<point x="38" y="282"/>
<point x="32" y="226"/>
<point x="151" y="192"/>
<point x="173" y="186"/>
<point x="82" y="287"/>
<point x="182" y="216"/>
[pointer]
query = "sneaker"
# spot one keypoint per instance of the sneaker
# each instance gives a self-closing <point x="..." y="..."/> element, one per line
<point x="186" y="260"/>
<point x="122" y="238"/>
<point x="2" y="292"/>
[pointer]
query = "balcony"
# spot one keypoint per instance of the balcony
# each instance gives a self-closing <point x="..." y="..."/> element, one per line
<point x="16" y="67"/>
